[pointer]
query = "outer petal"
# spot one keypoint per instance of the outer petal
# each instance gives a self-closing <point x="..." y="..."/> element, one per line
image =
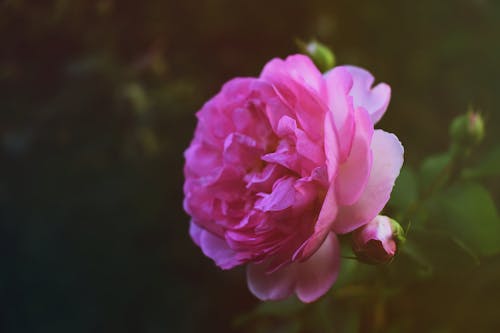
<point x="299" y="67"/>
<point x="375" y="100"/>
<point x="387" y="161"/>
<point x="309" y="280"/>
<point x="338" y="84"/>
<point x="332" y="149"/>
<point x="271" y="286"/>
<point x="354" y="172"/>
<point x="214" y="247"/>
<point x="319" y="272"/>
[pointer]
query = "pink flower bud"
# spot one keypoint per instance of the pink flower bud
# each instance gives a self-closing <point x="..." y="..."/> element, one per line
<point x="376" y="241"/>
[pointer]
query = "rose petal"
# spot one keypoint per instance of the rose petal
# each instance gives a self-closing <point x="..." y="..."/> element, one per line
<point x="195" y="232"/>
<point x="374" y="100"/>
<point x="354" y="172"/>
<point x="387" y="161"/>
<point x="332" y="149"/>
<point x="299" y="67"/>
<point x="322" y="227"/>
<point x="339" y="83"/>
<point x="319" y="272"/>
<point x="214" y="247"/>
<point x="282" y="196"/>
<point x="270" y="286"/>
<point x="310" y="279"/>
<point x="301" y="88"/>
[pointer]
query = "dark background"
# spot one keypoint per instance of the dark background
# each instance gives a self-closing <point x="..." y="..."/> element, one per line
<point x="97" y="103"/>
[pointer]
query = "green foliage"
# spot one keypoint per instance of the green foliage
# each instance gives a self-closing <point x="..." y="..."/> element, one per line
<point x="405" y="191"/>
<point x="434" y="172"/>
<point x="467" y="211"/>
<point x="488" y="166"/>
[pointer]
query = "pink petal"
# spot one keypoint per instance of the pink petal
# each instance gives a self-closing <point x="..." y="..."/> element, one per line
<point x="195" y="233"/>
<point x="322" y="227"/>
<point x="354" y="172"/>
<point x="299" y="67"/>
<point x="241" y="150"/>
<point x="387" y="161"/>
<point x="263" y="181"/>
<point x="332" y="149"/>
<point x="310" y="279"/>
<point x="287" y="127"/>
<point x="339" y="83"/>
<point x="201" y="159"/>
<point x="270" y="286"/>
<point x="214" y="247"/>
<point x="300" y="86"/>
<point x="282" y="196"/>
<point x="374" y="100"/>
<point x="317" y="275"/>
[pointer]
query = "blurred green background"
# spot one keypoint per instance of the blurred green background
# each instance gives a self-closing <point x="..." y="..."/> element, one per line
<point x="97" y="103"/>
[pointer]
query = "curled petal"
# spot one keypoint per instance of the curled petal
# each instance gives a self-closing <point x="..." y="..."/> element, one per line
<point x="375" y="100"/>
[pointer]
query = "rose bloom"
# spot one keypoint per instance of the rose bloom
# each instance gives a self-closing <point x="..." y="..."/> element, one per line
<point x="280" y="165"/>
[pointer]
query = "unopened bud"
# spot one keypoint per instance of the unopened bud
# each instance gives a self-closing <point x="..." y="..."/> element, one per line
<point x="376" y="242"/>
<point x="320" y="54"/>
<point x="467" y="129"/>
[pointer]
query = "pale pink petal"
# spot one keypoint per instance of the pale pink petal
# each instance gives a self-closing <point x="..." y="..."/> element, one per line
<point x="270" y="286"/>
<point x="316" y="275"/>
<point x="375" y="100"/>
<point x="332" y="149"/>
<point x="387" y="161"/>
<point x="354" y="172"/>
<point x="310" y="279"/>
<point x="338" y="84"/>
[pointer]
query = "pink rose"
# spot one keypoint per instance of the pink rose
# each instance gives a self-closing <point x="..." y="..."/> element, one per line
<point x="375" y="242"/>
<point x="281" y="164"/>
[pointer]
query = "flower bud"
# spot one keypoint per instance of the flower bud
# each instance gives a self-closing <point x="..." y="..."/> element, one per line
<point x="376" y="241"/>
<point x="321" y="55"/>
<point x="467" y="129"/>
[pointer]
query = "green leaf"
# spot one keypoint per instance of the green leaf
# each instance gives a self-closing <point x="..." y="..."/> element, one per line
<point x="487" y="167"/>
<point x="439" y="252"/>
<point x="467" y="212"/>
<point x="432" y="171"/>
<point x="405" y="190"/>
